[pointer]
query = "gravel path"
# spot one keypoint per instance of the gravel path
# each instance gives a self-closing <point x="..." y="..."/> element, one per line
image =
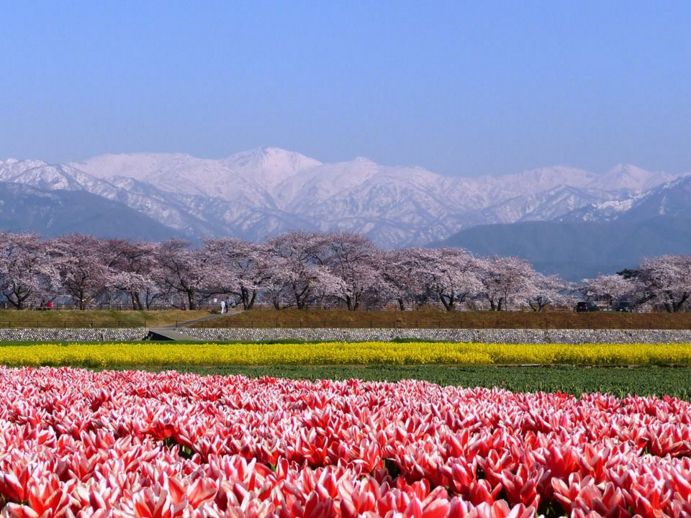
<point x="327" y="334"/>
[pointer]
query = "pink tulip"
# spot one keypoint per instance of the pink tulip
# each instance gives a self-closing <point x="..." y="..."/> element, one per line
<point x="167" y="445"/>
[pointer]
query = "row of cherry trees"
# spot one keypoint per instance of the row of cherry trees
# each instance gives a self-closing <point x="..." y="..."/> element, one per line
<point x="305" y="270"/>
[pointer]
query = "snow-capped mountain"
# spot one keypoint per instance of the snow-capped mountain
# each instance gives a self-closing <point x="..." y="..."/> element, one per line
<point x="262" y="192"/>
<point x="631" y="178"/>
<point x="42" y="175"/>
<point x="672" y="199"/>
<point x="243" y="175"/>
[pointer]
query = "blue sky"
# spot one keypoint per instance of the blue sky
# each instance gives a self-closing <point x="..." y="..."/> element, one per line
<point x="457" y="87"/>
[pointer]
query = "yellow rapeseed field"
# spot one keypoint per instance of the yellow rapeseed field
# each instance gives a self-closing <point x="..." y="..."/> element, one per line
<point x="341" y="353"/>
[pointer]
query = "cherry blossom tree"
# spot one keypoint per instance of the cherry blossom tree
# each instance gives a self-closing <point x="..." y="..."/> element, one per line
<point x="546" y="290"/>
<point x="81" y="266"/>
<point x="357" y="263"/>
<point x="504" y="279"/>
<point x="396" y="285"/>
<point x="297" y="269"/>
<point x="244" y="265"/>
<point x="610" y="289"/>
<point x="307" y="269"/>
<point x="132" y="265"/>
<point x="27" y="276"/>
<point x="406" y="276"/>
<point x="454" y="276"/>
<point x="277" y="289"/>
<point x="184" y="272"/>
<point x="667" y="280"/>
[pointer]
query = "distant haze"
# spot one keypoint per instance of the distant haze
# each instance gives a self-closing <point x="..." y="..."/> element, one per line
<point x="459" y="88"/>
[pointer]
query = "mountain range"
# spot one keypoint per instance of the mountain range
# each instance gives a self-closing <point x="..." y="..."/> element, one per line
<point x="260" y="193"/>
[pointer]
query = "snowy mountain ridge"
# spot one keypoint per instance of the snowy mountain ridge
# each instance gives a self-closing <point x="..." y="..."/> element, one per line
<point x="672" y="198"/>
<point x="259" y="193"/>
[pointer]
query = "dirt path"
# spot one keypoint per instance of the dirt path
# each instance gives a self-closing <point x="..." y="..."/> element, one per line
<point x="176" y="331"/>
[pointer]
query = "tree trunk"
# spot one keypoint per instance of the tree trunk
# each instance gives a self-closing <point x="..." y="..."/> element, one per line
<point x="449" y="301"/>
<point x="253" y="298"/>
<point x="136" y="301"/>
<point x="677" y="305"/>
<point x="82" y="301"/>
<point x="247" y="297"/>
<point x="191" y="303"/>
<point x="18" y="303"/>
<point x="301" y="297"/>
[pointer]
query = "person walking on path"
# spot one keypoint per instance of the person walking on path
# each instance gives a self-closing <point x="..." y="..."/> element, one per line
<point x="223" y="307"/>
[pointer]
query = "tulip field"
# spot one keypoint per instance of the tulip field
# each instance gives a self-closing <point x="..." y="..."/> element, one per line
<point x="81" y="443"/>
<point x="97" y="443"/>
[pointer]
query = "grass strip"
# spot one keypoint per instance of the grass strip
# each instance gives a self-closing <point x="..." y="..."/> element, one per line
<point x="433" y="318"/>
<point x="106" y="318"/>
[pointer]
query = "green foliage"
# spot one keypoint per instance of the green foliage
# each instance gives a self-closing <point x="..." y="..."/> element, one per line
<point x="618" y="381"/>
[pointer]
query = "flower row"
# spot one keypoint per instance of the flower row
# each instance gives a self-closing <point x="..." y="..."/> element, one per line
<point x="81" y="443"/>
<point x="344" y="353"/>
